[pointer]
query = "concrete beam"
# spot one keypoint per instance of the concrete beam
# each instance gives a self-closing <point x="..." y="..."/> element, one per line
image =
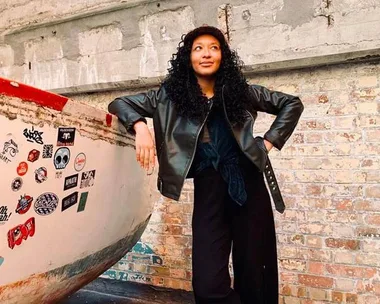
<point x="249" y="71"/>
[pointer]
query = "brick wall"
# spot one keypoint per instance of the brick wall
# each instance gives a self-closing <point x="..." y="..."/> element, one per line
<point x="329" y="236"/>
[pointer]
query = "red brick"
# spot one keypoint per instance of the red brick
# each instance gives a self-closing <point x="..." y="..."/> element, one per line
<point x="351" y="271"/>
<point x="343" y="204"/>
<point x="288" y="277"/>
<point x="178" y="273"/>
<point x="351" y="298"/>
<point x="301" y="292"/>
<point x="159" y="271"/>
<point x="315" y="281"/>
<point x="373" y="219"/>
<point x="376" y="287"/>
<point x="286" y="290"/>
<point x="373" y="191"/>
<point x="342" y="243"/>
<point x="337" y="296"/>
<point x="316" y="267"/>
<point x="313" y="190"/>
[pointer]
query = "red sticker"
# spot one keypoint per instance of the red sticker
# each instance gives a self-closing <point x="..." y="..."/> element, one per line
<point x="21" y="232"/>
<point x="33" y="155"/>
<point x="22" y="168"/>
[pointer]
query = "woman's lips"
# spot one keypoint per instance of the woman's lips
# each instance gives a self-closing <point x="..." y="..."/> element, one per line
<point x="206" y="64"/>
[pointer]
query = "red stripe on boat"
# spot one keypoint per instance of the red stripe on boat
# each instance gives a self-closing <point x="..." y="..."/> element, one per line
<point x="28" y="93"/>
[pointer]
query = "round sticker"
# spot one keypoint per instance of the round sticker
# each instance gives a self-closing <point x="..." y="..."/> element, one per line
<point x="46" y="203"/>
<point x="24" y="204"/>
<point x="16" y="184"/>
<point x="22" y="168"/>
<point x="80" y="162"/>
<point x="40" y="175"/>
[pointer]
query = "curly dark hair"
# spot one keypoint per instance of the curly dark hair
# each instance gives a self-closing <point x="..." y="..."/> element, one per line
<point x="184" y="91"/>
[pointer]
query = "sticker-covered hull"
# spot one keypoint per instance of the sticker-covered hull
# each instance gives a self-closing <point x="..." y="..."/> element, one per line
<point x="73" y="199"/>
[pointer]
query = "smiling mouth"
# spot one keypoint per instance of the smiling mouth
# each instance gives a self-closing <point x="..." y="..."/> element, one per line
<point x="206" y="64"/>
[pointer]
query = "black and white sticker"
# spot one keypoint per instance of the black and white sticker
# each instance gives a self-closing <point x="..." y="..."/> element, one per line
<point x="10" y="150"/>
<point x="46" y="203"/>
<point x="69" y="201"/>
<point x="71" y="182"/>
<point x="66" y="137"/>
<point x="61" y="158"/>
<point x="47" y="151"/>
<point x="87" y="179"/>
<point x="16" y="184"/>
<point x="4" y="216"/>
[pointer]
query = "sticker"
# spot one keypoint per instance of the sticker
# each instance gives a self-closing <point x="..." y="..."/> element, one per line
<point x="61" y="158"/>
<point x="71" y="182"/>
<point x="16" y="184"/>
<point x="82" y="201"/>
<point x="47" y="151"/>
<point x="157" y="260"/>
<point x="58" y="174"/>
<point x="80" y="162"/>
<point x="87" y="179"/>
<point x="4" y="216"/>
<point x="10" y="150"/>
<point x="33" y="155"/>
<point x="46" y="203"/>
<point x="40" y="175"/>
<point x="69" y="201"/>
<point x="34" y="136"/>
<point x="24" y="204"/>
<point x="21" y="232"/>
<point x="22" y="168"/>
<point x="66" y="136"/>
<point x="1" y="260"/>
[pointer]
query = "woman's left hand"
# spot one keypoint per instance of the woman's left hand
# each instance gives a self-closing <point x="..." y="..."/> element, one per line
<point x="268" y="145"/>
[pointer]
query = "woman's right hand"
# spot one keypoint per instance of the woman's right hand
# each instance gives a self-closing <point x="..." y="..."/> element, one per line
<point x="145" y="147"/>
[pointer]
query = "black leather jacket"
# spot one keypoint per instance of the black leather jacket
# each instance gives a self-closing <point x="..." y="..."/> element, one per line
<point x="176" y="136"/>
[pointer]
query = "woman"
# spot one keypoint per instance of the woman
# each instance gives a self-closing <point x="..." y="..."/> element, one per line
<point x="203" y="115"/>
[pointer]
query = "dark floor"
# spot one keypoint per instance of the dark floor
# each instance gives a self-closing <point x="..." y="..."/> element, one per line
<point x="105" y="291"/>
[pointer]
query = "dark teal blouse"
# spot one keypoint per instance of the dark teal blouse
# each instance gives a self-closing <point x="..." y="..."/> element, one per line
<point x="218" y="148"/>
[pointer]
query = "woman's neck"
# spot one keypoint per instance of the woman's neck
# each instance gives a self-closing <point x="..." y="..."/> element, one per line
<point x="207" y="86"/>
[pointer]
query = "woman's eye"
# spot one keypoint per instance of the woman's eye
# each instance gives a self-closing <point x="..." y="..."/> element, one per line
<point x="197" y="48"/>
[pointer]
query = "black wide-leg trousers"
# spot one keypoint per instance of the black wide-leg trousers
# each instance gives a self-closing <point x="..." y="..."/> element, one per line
<point x="218" y="224"/>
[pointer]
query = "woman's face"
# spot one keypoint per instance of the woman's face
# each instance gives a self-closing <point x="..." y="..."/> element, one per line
<point x="206" y="56"/>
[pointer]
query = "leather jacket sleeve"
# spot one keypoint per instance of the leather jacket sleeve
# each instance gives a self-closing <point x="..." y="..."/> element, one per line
<point x="133" y="108"/>
<point x="286" y="107"/>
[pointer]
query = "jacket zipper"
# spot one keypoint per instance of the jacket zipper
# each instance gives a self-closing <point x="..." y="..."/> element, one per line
<point x="196" y="140"/>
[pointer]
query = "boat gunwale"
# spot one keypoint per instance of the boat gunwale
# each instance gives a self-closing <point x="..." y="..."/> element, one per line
<point x="31" y="94"/>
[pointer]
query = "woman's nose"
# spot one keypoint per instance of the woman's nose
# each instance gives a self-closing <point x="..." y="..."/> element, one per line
<point x="206" y="53"/>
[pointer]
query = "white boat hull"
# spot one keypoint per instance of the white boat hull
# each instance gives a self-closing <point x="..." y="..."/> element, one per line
<point x="73" y="198"/>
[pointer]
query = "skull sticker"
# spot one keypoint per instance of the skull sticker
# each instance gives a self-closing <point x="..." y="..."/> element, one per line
<point x="61" y="158"/>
